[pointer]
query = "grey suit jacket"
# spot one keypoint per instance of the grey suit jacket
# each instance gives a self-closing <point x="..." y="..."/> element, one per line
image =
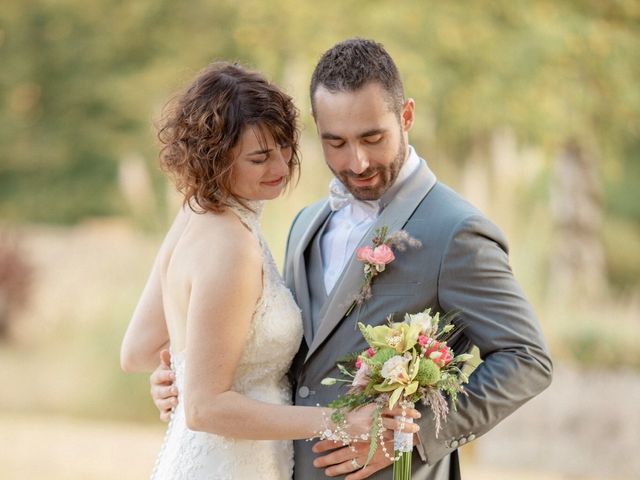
<point x="462" y="265"/>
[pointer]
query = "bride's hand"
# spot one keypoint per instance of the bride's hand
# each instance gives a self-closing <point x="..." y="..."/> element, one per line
<point x="163" y="393"/>
<point x="359" y="420"/>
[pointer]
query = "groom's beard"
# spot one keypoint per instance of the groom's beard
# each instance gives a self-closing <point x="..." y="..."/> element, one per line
<point x="386" y="177"/>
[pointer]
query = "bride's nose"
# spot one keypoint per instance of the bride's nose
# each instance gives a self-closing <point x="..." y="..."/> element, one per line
<point x="281" y="166"/>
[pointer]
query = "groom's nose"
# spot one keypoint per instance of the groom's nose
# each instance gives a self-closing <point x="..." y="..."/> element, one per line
<point x="358" y="161"/>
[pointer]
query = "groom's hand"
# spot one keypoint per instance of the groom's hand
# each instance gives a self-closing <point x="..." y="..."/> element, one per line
<point x="163" y="393"/>
<point x="340" y="460"/>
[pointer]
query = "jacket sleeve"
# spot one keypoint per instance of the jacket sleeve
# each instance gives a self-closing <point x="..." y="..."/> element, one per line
<point x="475" y="278"/>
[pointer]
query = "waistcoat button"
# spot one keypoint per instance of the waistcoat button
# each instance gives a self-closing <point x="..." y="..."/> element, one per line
<point x="303" y="391"/>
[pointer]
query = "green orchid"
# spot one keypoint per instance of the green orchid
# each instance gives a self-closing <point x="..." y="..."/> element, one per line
<point x="399" y="336"/>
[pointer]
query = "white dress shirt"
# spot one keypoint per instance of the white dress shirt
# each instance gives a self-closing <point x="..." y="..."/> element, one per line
<point x="348" y="225"/>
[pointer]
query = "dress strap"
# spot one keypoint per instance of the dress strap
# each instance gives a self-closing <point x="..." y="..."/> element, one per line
<point x="249" y="213"/>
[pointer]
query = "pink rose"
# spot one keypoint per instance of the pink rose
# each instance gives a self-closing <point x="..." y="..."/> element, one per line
<point x="382" y="255"/>
<point x="439" y="352"/>
<point x="364" y="253"/>
<point x="358" y="362"/>
<point x="371" y="352"/>
<point x="379" y="256"/>
<point x="423" y="340"/>
<point x="446" y="357"/>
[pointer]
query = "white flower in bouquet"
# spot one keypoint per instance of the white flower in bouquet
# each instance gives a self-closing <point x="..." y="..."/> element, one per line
<point x="396" y="369"/>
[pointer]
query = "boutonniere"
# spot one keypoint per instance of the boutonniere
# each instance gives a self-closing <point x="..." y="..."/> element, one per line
<point x="378" y="255"/>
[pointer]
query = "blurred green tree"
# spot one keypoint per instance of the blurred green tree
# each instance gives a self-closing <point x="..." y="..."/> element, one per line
<point x="82" y="81"/>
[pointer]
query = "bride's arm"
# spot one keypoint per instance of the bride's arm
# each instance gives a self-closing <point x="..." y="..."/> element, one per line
<point x="226" y="285"/>
<point x="147" y="335"/>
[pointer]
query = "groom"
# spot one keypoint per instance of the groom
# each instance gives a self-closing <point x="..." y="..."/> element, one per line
<point x="363" y="121"/>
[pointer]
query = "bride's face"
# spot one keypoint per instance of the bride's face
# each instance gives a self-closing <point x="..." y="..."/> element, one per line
<point x="260" y="165"/>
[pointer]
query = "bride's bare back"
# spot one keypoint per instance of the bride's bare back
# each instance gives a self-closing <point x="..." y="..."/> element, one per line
<point x="201" y="250"/>
<point x="234" y="329"/>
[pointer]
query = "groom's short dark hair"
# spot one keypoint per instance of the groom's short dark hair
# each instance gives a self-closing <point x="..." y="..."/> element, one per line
<point x="354" y="63"/>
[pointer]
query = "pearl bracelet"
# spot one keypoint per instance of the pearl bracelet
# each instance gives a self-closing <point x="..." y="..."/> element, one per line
<point x="339" y="434"/>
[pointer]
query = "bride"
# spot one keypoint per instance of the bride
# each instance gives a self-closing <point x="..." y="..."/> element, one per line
<point x="215" y="297"/>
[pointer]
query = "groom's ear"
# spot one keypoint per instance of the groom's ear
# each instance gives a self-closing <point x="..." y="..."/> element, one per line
<point x="407" y="114"/>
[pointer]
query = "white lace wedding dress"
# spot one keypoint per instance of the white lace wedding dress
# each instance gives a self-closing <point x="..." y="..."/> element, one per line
<point x="273" y="339"/>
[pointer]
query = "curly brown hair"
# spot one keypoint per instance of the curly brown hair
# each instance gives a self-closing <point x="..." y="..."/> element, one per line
<point x="200" y="126"/>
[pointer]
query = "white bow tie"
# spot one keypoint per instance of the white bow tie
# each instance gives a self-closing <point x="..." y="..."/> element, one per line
<point x="339" y="196"/>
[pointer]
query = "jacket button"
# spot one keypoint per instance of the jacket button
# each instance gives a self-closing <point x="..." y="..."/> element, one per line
<point x="454" y="444"/>
<point x="303" y="391"/>
<point x="462" y="441"/>
<point x="471" y="437"/>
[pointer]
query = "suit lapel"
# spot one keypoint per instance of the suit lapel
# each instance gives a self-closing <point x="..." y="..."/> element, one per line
<point x="395" y="216"/>
<point x="300" y="268"/>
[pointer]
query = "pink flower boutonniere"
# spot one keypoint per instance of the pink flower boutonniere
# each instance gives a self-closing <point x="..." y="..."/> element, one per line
<point x="377" y="256"/>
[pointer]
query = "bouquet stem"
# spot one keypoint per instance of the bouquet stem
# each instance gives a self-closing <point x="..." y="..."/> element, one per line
<point x="402" y="467"/>
<point x="403" y="447"/>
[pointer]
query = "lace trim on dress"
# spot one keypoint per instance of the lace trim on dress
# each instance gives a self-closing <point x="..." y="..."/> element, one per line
<point x="250" y="218"/>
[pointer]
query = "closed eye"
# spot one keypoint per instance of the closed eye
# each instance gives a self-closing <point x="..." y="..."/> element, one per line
<point x="259" y="160"/>
<point x="336" y="143"/>
<point x="373" y="139"/>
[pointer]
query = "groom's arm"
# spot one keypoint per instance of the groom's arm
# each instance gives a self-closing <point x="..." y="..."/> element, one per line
<point x="476" y="279"/>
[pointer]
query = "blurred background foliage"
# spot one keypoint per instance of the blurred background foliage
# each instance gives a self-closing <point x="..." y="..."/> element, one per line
<point x="530" y="109"/>
<point x="81" y="82"/>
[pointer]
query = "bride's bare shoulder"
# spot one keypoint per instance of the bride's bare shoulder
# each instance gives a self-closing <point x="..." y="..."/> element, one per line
<point x="221" y="236"/>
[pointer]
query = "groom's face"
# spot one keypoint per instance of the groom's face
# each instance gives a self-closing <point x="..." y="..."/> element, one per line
<point x="363" y="139"/>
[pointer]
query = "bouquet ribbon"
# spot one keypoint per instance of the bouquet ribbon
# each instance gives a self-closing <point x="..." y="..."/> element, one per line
<point x="403" y="448"/>
<point x="403" y="441"/>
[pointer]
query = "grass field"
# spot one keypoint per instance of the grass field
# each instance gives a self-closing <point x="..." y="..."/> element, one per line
<point x="56" y="448"/>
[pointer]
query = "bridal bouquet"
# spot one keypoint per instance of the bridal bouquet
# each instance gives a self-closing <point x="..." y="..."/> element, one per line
<point x="406" y="362"/>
